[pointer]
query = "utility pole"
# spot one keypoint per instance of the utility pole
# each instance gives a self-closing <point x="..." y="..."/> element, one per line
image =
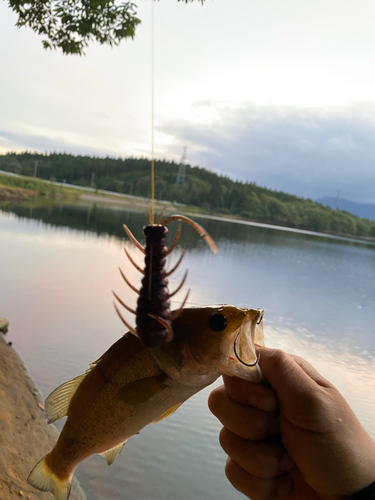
<point x="36" y="167"/>
<point x="182" y="169"/>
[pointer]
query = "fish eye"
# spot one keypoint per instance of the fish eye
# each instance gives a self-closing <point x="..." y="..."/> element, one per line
<point x="217" y="322"/>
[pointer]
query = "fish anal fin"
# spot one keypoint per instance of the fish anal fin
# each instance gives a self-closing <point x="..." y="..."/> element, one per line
<point x="111" y="454"/>
<point x="42" y="478"/>
<point x="57" y="403"/>
<point x="166" y="414"/>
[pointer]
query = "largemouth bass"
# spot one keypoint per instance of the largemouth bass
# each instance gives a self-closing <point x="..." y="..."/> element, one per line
<point x="132" y="386"/>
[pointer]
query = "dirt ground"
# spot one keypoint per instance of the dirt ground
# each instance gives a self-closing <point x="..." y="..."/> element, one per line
<point x="137" y="203"/>
<point x="15" y="195"/>
<point x="25" y="436"/>
<point x="97" y="198"/>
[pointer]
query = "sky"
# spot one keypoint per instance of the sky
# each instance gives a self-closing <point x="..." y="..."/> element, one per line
<point x="281" y="93"/>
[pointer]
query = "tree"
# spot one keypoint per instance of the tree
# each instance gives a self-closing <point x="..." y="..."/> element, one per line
<point x="71" y="24"/>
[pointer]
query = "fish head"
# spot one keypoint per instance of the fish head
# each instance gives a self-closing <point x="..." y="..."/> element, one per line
<point x="211" y="341"/>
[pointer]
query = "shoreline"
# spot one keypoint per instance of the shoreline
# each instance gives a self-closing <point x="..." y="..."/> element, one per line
<point x="89" y="196"/>
<point x="25" y="436"/>
<point x="108" y="202"/>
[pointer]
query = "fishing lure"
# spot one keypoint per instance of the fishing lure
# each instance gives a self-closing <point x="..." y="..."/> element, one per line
<point x="153" y="313"/>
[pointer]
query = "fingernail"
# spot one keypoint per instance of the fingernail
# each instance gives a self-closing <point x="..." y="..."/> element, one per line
<point x="286" y="463"/>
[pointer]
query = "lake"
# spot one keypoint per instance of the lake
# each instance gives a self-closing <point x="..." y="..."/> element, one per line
<point x="59" y="265"/>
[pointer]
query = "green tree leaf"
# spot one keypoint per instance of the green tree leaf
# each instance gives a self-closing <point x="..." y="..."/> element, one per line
<point x="70" y="25"/>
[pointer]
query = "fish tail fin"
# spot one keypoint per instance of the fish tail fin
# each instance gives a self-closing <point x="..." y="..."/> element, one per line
<point x="42" y="478"/>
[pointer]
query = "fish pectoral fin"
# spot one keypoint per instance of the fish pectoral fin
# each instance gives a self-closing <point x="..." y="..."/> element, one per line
<point x="111" y="455"/>
<point x="166" y="414"/>
<point x="140" y="391"/>
<point x="57" y="403"/>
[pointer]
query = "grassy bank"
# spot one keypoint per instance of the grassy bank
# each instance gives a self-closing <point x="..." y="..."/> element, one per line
<point x="23" y="189"/>
<point x="15" y="189"/>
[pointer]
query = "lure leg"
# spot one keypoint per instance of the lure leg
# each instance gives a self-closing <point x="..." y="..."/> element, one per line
<point x="176" y="238"/>
<point x="125" y="322"/>
<point x="210" y="242"/>
<point x="132" y="261"/>
<point x="128" y="282"/>
<point x="180" y="285"/>
<point x="134" y="239"/>
<point x="123" y="304"/>
<point x="176" y="266"/>
<point x="161" y="216"/>
<point x="164" y="324"/>
<point x="178" y="312"/>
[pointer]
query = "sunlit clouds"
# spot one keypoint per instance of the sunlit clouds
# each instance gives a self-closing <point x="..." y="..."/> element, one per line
<point x="308" y="151"/>
<point x="280" y="94"/>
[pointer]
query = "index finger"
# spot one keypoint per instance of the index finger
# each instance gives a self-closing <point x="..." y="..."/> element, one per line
<point x="250" y="394"/>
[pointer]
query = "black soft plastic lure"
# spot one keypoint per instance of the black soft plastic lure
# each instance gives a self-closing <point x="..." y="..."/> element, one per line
<point x="153" y="314"/>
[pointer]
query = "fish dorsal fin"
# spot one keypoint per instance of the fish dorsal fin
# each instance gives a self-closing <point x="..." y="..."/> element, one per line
<point x="167" y="414"/>
<point x="58" y="401"/>
<point x="92" y="365"/>
<point x="111" y="455"/>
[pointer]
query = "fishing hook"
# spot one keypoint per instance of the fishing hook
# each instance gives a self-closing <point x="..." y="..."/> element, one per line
<point x="237" y="356"/>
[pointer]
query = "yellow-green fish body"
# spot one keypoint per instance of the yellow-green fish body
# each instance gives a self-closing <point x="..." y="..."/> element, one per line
<point x="131" y="386"/>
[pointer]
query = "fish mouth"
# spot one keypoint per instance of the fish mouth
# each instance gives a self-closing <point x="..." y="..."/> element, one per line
<point x="245" y="341"/>
<point x="243" y="359"/>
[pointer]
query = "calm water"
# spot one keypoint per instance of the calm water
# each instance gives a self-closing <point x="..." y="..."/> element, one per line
<point x="58" y="268"/>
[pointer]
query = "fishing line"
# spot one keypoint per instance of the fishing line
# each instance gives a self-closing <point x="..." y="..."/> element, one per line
<point x="152" y="113"/>
<point x="152" y="205"/>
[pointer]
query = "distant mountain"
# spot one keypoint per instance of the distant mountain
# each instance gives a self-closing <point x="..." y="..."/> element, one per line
<point x="360" y="209"/>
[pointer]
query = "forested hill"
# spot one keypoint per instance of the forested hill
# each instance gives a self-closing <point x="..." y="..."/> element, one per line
<point x="201" y="188"/>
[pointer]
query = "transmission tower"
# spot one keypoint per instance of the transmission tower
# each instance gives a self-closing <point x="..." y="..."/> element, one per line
<point x="182" y="169"/>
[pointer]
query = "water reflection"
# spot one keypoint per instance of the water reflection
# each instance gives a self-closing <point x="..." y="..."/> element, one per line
<point x="83" y="218"/>
<point x="60" y="264"/>
<point x="109" y="221"/>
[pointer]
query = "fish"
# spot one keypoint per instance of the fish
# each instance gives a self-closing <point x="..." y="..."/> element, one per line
<point x="132" y="386"/>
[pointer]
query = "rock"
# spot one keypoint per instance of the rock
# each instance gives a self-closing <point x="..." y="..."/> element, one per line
<point x="4" y="323"/>
<point x="24" y="434"/>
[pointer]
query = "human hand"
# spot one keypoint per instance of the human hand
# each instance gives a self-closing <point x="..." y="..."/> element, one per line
<point x="295" y="440"/>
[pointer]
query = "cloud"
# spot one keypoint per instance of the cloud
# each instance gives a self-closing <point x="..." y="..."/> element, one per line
<point x="310" y="152"/>
<point x="13" y="141"/>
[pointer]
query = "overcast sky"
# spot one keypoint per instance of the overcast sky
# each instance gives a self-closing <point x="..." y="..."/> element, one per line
<point x="280" y="93"/>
